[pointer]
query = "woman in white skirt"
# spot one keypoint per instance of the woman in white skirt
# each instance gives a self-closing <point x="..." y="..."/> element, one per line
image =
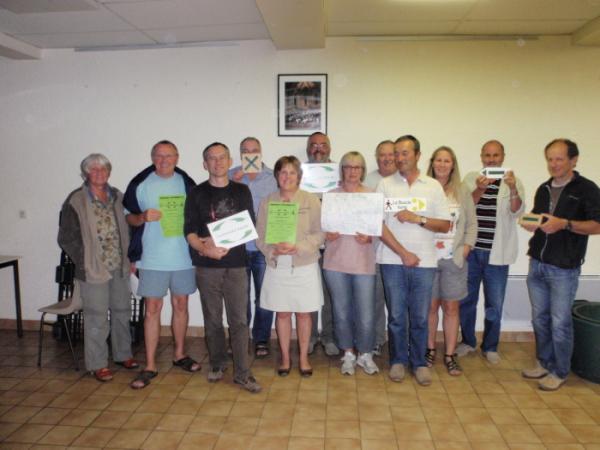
<point x="292" y="281"/>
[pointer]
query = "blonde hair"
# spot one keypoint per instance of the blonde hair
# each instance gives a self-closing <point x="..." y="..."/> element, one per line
<point x="452" y="187"/>
<point x="361" y="159"/>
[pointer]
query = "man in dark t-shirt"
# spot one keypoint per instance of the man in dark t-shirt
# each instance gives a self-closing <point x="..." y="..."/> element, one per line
<point x="220" y="272"/>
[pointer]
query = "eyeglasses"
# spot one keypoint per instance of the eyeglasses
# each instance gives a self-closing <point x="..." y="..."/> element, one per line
<point x="322" y="145"/>
<point x="352" y="167"/>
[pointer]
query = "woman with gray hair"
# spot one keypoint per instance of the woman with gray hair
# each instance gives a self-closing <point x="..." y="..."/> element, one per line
<point x="93" y="232"/>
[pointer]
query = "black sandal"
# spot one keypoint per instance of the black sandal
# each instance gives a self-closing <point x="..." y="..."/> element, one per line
<point x="430" y="357"/>
<point x="452" y="365"/>
<point x="261" y="350"/>
<point x="144" y="376"/>
<point x="187" y="364"/>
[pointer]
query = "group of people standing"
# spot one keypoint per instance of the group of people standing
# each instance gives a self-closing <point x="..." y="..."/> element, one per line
<point x="431" y="258"/>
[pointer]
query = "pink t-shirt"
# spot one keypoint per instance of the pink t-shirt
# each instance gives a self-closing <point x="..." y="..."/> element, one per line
<point x="347" y="255"/>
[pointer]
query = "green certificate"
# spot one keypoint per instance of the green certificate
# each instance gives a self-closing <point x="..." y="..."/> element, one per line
<point x="171" y="207"/>
<point x="282" y="219"/>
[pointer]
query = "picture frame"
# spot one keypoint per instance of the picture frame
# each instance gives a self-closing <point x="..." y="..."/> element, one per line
<point x="302" y="104"/>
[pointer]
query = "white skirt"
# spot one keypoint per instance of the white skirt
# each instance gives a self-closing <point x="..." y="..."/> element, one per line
<point x="292" y="289"/>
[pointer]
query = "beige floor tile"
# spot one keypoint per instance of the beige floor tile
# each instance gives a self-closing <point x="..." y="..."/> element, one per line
<point x="559" y="401"/>
<point x="377" y="430"/>
<point x="506" y="416"/>
<point x="346" y="429"/>
<point x="97" y="401"/>
<point x="185" y="406"/>
<point x="306" y="443"/>
<point x="142" y="421"/>
<point x="20" y="414"/>
<point x="232" y="441"/>
<point x="6" y="429"/>
<point x="207" y="424"/>
<point x="488" y="387"/>
<point x="440" y="415"/>
<point x="111" y="419"/>
<point x="80" y="417"/>
<point x="267" y="443"/>
<point x="571" y="447"/>
<point x="473" y="415"/>
<point x="489" y="446"/>
<point x="433" y="399"/>
<point x="314" y="411"/>
<point x="496" y="401"/>
<point x="515" y="434"/>
<point x="198" y="441"/>
<point x="94" y="437"/>
<point x="39" y="399"/>
<point x="274" y="427"/>
<point x="374" y="413"/>
<point x="528" y="401"/>
<point x="215" y="408"/>
<point x="342" y="412"/>
<point x="407" y="414"/>
<point x="275" y="410"/>
<point x="28" y="433"/>
<point x="540" y="416"/>
<point x="190" y="392"/>
<point x="312" y="396"/>
<point x="379" y="444"/>
<point x="175" y="378"/>
<point x="247" y="409"/>
<point x="240" y="425"/>
<point x="450" y="445"/>
<point x="124" y="404"/>
<point x="403" y="398"/>
<point x="163" y="440"/>
<point x="443" y="432"/>
<point x="372" y="397"/>
<point x="61" y="435"/>
<point x="308" y="428"/>
<point x="573" y="417"/>
<point x="342" y="444"/>
<point x="282" y="396"/>
<point x="49" y="416"/>
<point x="128" y="439"/>
<point x="410" y="431"/>
<point x="554" y="434"/>
<point x="175" y="422"/>
<point x="586" y="434"/>
<point x="416" y="445"/>
<point x="465" y="400"/>
<point x="482" y="432"/>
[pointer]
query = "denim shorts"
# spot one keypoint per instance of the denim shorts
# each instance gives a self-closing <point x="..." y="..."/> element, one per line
<point x="155" y="283"/>
<point x="450" y="281"/>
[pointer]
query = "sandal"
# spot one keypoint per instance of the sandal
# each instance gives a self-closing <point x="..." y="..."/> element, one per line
<point x="430" y="357"/>
<point x="103" y="374"/>
<point x="261" y="350"/>
<point x="128" y="364"/>
<point x="452" y="365"/>
<point x="142" y="379"/>
<point x="187" y="364"/>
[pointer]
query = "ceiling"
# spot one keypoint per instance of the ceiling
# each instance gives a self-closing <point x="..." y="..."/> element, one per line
<point x="29" y="26"/>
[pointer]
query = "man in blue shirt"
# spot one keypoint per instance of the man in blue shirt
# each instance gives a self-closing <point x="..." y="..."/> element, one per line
<point x="154" y="201"/>
<point x="261" y="183"/>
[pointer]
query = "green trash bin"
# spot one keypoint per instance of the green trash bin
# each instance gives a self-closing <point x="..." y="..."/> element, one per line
<point x="586" y="328"/>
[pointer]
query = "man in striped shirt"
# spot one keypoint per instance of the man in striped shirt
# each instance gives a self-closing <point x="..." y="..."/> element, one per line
<point x="499" y="202"/>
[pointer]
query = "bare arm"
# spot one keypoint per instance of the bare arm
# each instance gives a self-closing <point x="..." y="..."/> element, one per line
<point x="408" y="258"/>
<point x="435" y="225"/>
<point x="137" y="220"/>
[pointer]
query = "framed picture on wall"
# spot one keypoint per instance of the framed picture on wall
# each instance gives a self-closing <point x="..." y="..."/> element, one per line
<point x="302" y="104"/>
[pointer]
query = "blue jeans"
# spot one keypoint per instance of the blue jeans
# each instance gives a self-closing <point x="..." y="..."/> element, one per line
<point x="263" y="319"/>
<point x="353" y="301"/>
<point x="494" y="287"/>
<point x="408" y="297"/>
<point x="552" y="292"/>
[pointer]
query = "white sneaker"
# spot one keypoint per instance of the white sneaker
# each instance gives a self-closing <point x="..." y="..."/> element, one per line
<point x="464" y="349"/>
<point x="535" y="372"/>
<point x="492" y="357"/>
<point x="365" y="360"/>
<point x="348" y="363"/>
<point x="551" y="382"/>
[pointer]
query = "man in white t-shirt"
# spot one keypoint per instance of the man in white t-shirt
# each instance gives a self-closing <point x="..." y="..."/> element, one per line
<point x="386" y="166"/>
<point x="159" y="251"/>
<point x="407" y="257"/>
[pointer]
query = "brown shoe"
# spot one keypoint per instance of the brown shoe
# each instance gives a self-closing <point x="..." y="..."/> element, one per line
<point x="128" y="364"/>
<point x="103" y="374"/>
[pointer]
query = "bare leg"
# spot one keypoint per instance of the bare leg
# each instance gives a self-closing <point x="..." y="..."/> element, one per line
<point x="179" y="323"/>
<point x="450" y="324"/>
<point x="152" y="330"/>
<point x="283" y="325"/>
<point x="303" y="328"/>
<point x="433" y="322"/>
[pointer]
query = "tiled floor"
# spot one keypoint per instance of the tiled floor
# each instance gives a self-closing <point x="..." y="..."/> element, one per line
<point x="487" y="408"/>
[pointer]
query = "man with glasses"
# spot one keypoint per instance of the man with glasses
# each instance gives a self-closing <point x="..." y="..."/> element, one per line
<point x="318" y="149"/>
<point x="159" y="251"/>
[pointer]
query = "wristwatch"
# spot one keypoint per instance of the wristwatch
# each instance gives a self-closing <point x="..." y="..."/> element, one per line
<point x="569" y="226"/>
<point x="423" y="221"/>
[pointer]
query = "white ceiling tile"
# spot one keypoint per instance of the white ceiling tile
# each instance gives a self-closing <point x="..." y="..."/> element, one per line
<point x="44" y="6"/>
<point x="209" y="33"/>
<point x="186" y="13"/>
<point x="71" y="22"/>
<point x="535" y="9"/>
<point x="80" y="40"/>
<point x="391" y="28"/>
<point x="519" y="27"/>
<point x="388" y="10"/>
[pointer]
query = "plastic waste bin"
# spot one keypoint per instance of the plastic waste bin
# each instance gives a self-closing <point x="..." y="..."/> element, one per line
<point x="586" y="327"/>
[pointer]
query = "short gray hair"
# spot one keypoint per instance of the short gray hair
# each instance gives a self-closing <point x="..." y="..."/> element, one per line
<point x="94" y="159"/>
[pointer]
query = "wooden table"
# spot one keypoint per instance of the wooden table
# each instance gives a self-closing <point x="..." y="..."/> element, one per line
<point x="7" y="261"/>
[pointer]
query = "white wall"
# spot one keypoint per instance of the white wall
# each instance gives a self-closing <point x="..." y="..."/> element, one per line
<point x="55" y="111"/>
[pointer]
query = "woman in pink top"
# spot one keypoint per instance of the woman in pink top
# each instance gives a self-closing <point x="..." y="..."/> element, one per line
<point x="349" y="271"/>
